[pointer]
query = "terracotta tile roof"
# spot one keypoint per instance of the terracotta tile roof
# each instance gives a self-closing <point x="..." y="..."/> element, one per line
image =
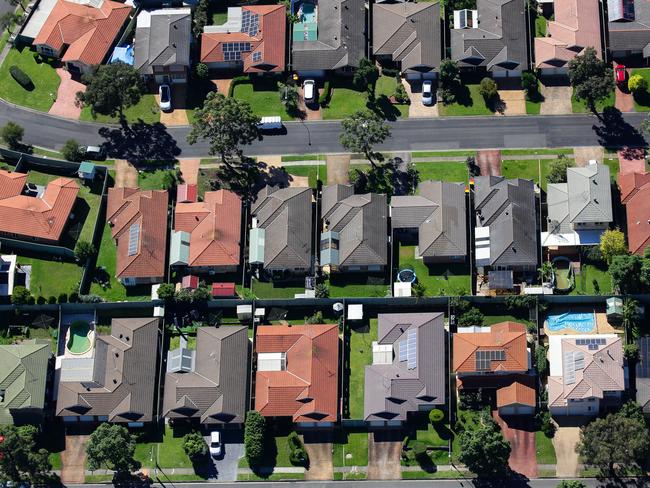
<point x="516" y="393"/>
<point x="635" y="194"/>
<point x="186" y="193"/>
<point x="87" y="31"/>
<point x="128" y="206"/>
<point x="307" y="389"/>
<point x="215" y="228"/>
<point x="269" y="41"/>
<point x="42" y="218"/>
<point x="507" y="336"/>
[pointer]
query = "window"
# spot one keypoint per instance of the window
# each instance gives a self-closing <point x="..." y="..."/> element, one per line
<point x="257" y="56"/>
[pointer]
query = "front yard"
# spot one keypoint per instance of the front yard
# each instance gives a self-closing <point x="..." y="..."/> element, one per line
<point x="528" y="169"/>
<point x="166" y="451"/>
<point x="146" y="110"/>
<point x="451" y="171"/>
<point x="468" y="102"/>
<point x="345" y="101"/>
<point x="313" y="172"/>
<point x="545" y="449"/>
<point x="385" y="89"/>
<point x="642" y="101"/>
<point x="360" y="356"/>
<point x="263" y="96"/>
<point x="353" y="452"/>
<point x="580" y="107"/>
<point x="439" y="279"/>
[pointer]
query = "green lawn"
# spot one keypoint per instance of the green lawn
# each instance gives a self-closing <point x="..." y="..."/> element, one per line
<point x="276" y="452"/>
<point x="263" y="96"/>
<point x="302" y="157"/>
<point x="169" y="452"/>
<point x="152" y="180"/>
<point x="469" y="102"/>
<point x="470" y="419"/>
<point x="642" y="101"/>
<point x="206" y="175"/>
<point x="386" y="88"/>
<point x="528" y="169"/>
<point x="496" y="319"/>
<point x="584" y="282"/>
<point x="579" y="107"/>
<point x="356" y="285"/>
<point x="146" y="110"/>
<point x="439" y="279"/>
<point x="455" y="172"/>
<point x="313" y="172"/>
<point x="175" y="342"/>
<point x="533" y="108"/>
<point x="44" y="78"/>
<point x="545" y="449"/>
<point x="352" y="453"/>
<point x="49" y="278"/>
<point x="345" y="101"/>
<point x="532" y="152"/>
<point x="271" y="477"/>
<point x="614" y="165"/>
<point x="264" y="289"/>
<point x="540" y="26"/>
<point x="442" y="154"/>
<point x="360" y="356"/>
<point x="436" y="438"/>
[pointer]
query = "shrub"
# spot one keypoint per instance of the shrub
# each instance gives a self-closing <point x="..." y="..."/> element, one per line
<point x="298" y="454"/>
<point x="545" y="424"/>
<point x="325" y="94"/>
<point x="400" y="94"/>
<point x="30" y="301"/>
<point x="488" y="88"/>
<point x="20" y="295"/>
<point x="51" y="300"/>
<point x="237" y="80"/>
<point x="202" y="71"/>
<point x="530" y="84"/>
<point x="322" y="290"/>
<point x="41" y="300"/>
<point x="73" y="297"/>
<point x="71" y="151"/>
<point x="392" y="72"/>
<point x="63" y="298"/>
<point x="541" y="363"/>
<point x="254" y="437"/>
<point x="436" y="415"/>
<point x="637" y="84"/>
<point x="194" y="446"/>
<point x="472" y="317"/>
<point x="21" y="77"/>
<point x="12" y="135"/>
<point x="631" y="351"/>
<point x="419" y="450"/>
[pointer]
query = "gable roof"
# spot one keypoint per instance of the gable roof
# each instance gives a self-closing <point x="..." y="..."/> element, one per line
<point x="216" y="388"/>
<point x="500" y="41"/>
<point x="87" y="30"/>
<point x="214" y="226"/>
<point x="509" y="337"/>
<point x="123" y="375"/>
<point x="439" y="214"/>
<point x="23" y="373"/>
<point x="146" y="209"/>
<point x="409" y="33"/>
<point x="629" y="25"/>
<point x="590" y="195"/>
<point x="635" y="194"/>
<point x="575" y="27"/>
<point x="516" y="393"/>
<point x="43" y="217"/>
<point x="307" y="389"/>
<point x="392" y="390"/>
<point x="267" y="43"/>
<point x="162" y="38"/>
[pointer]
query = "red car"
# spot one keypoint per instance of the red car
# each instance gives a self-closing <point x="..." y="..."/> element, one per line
<point x="620" y="74"/>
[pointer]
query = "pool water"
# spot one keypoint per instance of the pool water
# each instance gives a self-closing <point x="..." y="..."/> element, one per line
<point x="580" y="322"/>
<point x="79" y="343"/>
<point x="308" y="13"/>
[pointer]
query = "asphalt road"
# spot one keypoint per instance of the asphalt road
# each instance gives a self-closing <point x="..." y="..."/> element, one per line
<point x="158" y="142"/>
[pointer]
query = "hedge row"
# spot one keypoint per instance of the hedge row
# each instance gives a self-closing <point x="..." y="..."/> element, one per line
<point x="237" y="80"/>
<point x="21" y="77"/>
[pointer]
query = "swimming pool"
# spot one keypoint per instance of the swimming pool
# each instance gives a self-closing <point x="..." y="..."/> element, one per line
<point x="580" y="322"/>
<point x="308" y="13"/>
<point x="79" y="337"/>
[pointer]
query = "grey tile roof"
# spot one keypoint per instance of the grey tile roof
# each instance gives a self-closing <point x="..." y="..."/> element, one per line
<point x="162" y="38"/>
<point x="393" y="390"/>
<point x="633" y="34"/>
<point x="590" y="194"/>
<point x="439" y="214"/>
<point x="124" y="375"/>
<point x="409" y="33"/>
<point x="507" y="207"/>
<point x="215" y="392"/>
<point x="499" y="42"/>
<point x="286" y="215"/>
<point x="643" y="374"/>
<point x="362" y="224"/>
<point x="341" y="37"/>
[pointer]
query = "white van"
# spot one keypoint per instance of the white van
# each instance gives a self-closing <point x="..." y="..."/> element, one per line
<point x="270" y="123"/>
<point x="309" y="91"/>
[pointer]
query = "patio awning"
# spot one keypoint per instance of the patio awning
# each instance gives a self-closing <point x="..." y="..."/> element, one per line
<point x="501" y="280"/>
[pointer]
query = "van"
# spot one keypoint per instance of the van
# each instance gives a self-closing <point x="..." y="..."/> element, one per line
<point x="270" y="123"/>
<point x="95" y="153"/>
<point x="309" y="91"/>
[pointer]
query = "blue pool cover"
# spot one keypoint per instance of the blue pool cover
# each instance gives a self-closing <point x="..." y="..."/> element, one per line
<point x="580" y="322"/>
<point x="123" y="54"/>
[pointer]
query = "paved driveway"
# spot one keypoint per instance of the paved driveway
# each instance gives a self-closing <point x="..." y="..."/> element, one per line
<point x="557" y="99"/>
<point x="416" y="108"/>
<point x="519" y="432"/>
<point x="489" y="160"/>
<point x="225" y="468"/>
<point x="338" y="166"/>
<point x="64" y="106"/>
<point x="565" y="441"/>
<point x="585" y="154"/>
<point x="384" y="455"/>
<point x="513" y="102"/>
<point x="126" y="176"/>
<point x="319" y="448"/>
<point x="73" y="459"/>
<point x="624" y="99"/>
<point x="190" y="170"/>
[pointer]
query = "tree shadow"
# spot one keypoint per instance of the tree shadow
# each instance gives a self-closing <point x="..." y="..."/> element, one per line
<point x="495" y="104"/>
<point x="140" y="142"/>
<point x="247" y="177"/>
<point x="383" y="107"/>
<point x="463" y="95"/>
<point x="613" y="131"/>
<point x="642" y="98"/>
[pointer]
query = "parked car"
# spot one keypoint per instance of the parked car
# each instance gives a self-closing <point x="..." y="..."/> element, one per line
<point x="92" y="152"/>
<point x="165" y="98"/>
<point x="427" y="92"/>
<point x="309" y="91"/>
<point x="216" y="447"/>
<point x="620" y="74"/>
<point x="270" y="123"/>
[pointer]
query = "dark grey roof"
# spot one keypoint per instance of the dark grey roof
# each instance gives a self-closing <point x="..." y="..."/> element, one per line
<point x="341" y="37"/>
<point x="507" y="207"/>
<point x="409" y="33"/>
<point x="632" y="33"/>
<point x="439" y="214"/>
<point x="362" y="224"/>
<point x="215" y="391"/>
<point x="590" y="194"/>
<point x="393" y="390"/>
<point x="124" y="375"/>
<point x="162" y="38"/>
<point x="286" y="215"/>
<point x="499" y="42"/>
<point x="643" y="374"/>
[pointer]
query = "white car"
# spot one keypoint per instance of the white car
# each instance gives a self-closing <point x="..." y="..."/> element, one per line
<point x="165" y="97"/>
<point x="216" y="447"/>
<point x="309" y="91"/>
<point x="427" y="92"/>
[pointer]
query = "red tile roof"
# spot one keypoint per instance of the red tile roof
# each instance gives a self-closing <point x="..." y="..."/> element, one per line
<point x="87" y="31"/>
<point x="43" y="218"/>
<point x="190" y="282"/>
<point x="214" y="226"/>
<point x="635" y="194"/>
<point x="516" y="393"/>
<point x="127" y="206"/>
<point x="307" y="390"/>
<point x="269" y="41"/>
<point x="186" y="193"/>
<point x="224" y="290"/>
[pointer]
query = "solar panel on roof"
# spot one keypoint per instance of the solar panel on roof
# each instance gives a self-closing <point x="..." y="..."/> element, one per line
<point x="402" y="350"/>
<point x="134" y="238"/>
<point x="569" y="369"/>
<point x="578" y="361"/>
<point x="411" y="346"/>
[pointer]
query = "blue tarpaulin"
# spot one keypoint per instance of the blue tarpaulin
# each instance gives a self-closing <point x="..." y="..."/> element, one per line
<point x="123" y="54"/>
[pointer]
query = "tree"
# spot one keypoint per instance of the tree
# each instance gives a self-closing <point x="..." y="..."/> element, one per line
<point x="418" y="289"/>
<point x="630" y="315"/>
<point x="615" y="440"/>
<point x="71" y="151"/>
<point x="200" y="17"/>
<point x="363" y="130"/>
<point x="631" y="351"/>
<point x="546" y="272"/>
<point x="202" y="70"/>
<point x="571" y="484"/>
<point x="592" y="80"/>
<point x="83" y="250"/>
<point x="558" y="167"/>
<point x="530" y="84"/>
<point x="111" y="88"/>
<point x="484" y="450"/>
<point x="317" y="318"/>
<point x="254" y="437"/>
<point x="632" y="410"/>
<point x="321" y="290"/>
<point x="166" y="291"/>
<point x="541" y="362"/>
<point x="637" y="84"/>
<point x="366" y="76"/>
<point x="227" y="124"/>
<point x="488" y="89"/>
<point x="111" y="446"/>
<point x="449" y="80"/>
<point x="8" y="20"/>
<point x="289" y="97"/>
<point x="195" y="446"/>
<point x="20" y="295"/>
<point x="472" y="317"/>
<point x="625" y="273"/>
<point x="400" y="93"/>
<point x="201" y="295"/>
<point x="12" y="135"/>
<point x="20" y="459"/>
<point x="612" y="243"/>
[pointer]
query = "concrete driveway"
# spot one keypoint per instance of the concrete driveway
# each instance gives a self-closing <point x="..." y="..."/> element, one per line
<point x="514" y="102"/>
<point x="319" y="448"/>
<point x="126" y="176"/>
<point x="225" y="468"/>
<point x="384" y="455"/>
<point x="338" y="167"/>
<point x="489" y="160"/>
<point x="565" y="441"/>
<point x="73" y="459"/>
<point x="416" y="108"/>
<point x="585" y="154"/>
<point x="557" y="99"/>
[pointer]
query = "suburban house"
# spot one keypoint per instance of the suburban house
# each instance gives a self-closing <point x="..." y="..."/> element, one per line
<point x="506" y="232"/>
<point x="407" y="374"/>
<point x="355" y="230"/>
<point x="586" y="373"/>
<point x="162" y="44"/>
<point x="252" y="40"/>
<point x="207" y="234"/>
<point x="496" y="358"/>
<point x="138" y="222"/>
<point x="576" y="26"/>
<point x="493" y="37"/>
<point x="116" y="380"/>
<point x="23" y="377"/>
<point x="408" y="35"/>
<point x="629" y="28"/>
<point x="635" y="195"/>
<point x="580" y="210"/>
<point x="330" y="35"/>
<point x="435" y="219"/>
<point x="643" y="375"/>
<point x="38" y="215"/>
<point x="280" y="235"/>
<point x="208" y="383"/>
<point x="81" y="32"/>
<point x="298" y="372"/>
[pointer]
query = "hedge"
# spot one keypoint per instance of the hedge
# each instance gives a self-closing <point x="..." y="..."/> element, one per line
<point x="21" y="77"/>
<point x="237" y="80"/>
<point x="326" y="94"/>
<point x="392" y="72"/>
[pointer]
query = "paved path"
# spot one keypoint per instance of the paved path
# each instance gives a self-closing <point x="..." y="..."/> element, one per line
<point x="64" y="105"/>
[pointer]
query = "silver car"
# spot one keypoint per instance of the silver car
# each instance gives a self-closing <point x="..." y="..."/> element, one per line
<point x="427" y="92"/>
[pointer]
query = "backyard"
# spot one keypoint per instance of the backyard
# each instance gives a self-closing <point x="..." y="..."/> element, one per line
<point x="357" y="285"/>
<point x="268" y="289"/>
<point x="360" y="356"/>
<point x="50" y="278"/>
<point x="592" y="280"/>
<point x="439" y="279"/>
